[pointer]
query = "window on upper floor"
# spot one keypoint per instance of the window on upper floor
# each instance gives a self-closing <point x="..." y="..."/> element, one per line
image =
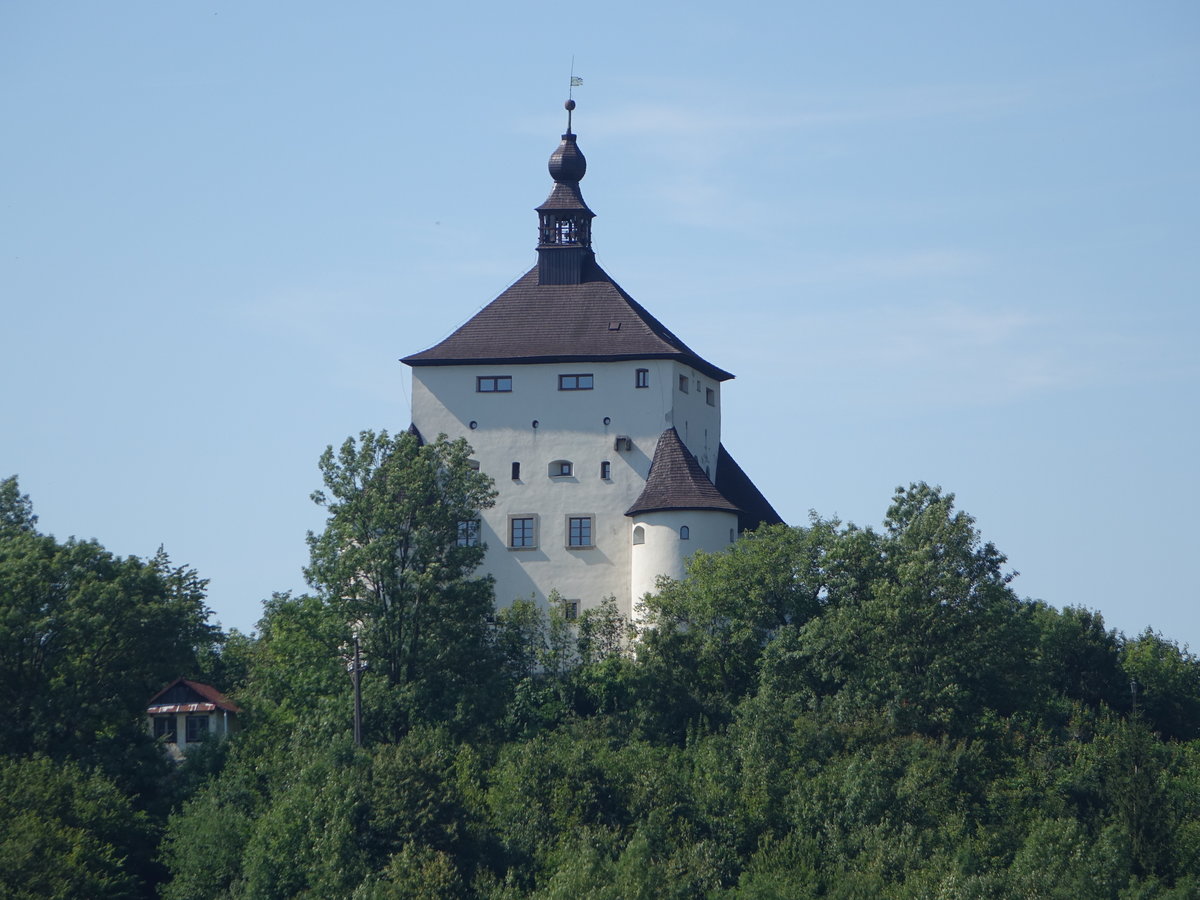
<point x="683" y="384"/>
<point x="579" y="531"/>
<point x="516" y="471"/>
<point x="606" y="470"/>
<point x="710" y="396"/>
<point x="570" y="610"/>
<point x="641" y="378"/>
<point x="493" y="384"/>
<point x="468" y="533"/>
<point x="561" y="468"/>
<point x="575" y="382"/>
<point x="685" y="533"/>
<point x="639" y="535"/>
<point x="522" y="532"/>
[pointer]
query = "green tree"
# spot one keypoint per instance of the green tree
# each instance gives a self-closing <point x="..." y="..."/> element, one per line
<point x="933" y="634"/>
<point x="391" y="560"/>
<point x="66" y="833"/>
<point x="86" y="638"/>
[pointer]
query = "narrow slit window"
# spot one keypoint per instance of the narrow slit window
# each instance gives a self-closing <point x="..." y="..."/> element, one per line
<point x="606" y="470"/>
<point x="516" y="471"/>
<point x="641" y="378"/>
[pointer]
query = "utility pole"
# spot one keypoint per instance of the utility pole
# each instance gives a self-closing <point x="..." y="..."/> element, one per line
<point x="357" y="676"/>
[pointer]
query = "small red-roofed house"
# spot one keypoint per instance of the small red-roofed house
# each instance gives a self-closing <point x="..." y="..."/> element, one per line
<point x="185" y="713"/>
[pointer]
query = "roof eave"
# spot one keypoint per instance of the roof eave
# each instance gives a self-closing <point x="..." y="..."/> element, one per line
<point x="713" y="372"/>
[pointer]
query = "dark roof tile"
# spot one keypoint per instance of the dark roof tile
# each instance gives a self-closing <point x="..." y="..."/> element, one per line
<point x="676" y="481"/>
<point x="537" y="323"/>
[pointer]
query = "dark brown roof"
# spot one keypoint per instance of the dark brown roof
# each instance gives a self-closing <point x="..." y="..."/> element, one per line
<point x="737" y="486"/>
<point x="207" y="694"/>
<point x="594" y="321"/>
<point x="676" y="481"/>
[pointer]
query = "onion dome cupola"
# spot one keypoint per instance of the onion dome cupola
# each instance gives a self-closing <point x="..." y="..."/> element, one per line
<point x="564" y="220"/>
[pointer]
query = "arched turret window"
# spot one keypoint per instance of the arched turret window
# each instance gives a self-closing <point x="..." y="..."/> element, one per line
<point x="685" y="533"/>
<point x="639" y="535"/>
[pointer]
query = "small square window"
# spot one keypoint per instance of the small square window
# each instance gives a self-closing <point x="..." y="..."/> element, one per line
<point x="468" y="533"/>
<point x="710" y="397"/>
<point x="579" y="531"/>
<point x="574" y="382"/>
<point x="683" y="384"/>
<point x="641" y="378"/>
<point x="493" y="384"/>
<point x="197" y="729"/>
<point x="522" y="532"/>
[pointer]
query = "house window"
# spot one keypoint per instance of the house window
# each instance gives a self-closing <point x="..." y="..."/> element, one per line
<point x="574" y="382"/>
<point x="493" y="384"/>
<point x="641" y="378"/>
<point x="683" y="384"/>
<point x="685" y="533"/>
<point x="516" y="471"/>
<point x="570" y="610"/>
<point x="710" y="397"/>
<point x="579" y="531"/>
<point x="197" y="729"/>
<point x="606" y="470"/>
<point x="639" y="535"/>
<point x="522" y="532"/>
<point x="468" y="533"/>
<point x="561" y="468"/>
<point x="164" y="727"/>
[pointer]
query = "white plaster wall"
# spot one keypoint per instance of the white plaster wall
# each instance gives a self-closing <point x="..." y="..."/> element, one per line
<point x="664" y="553"/>
<point x="570" y="427"/>
<point x="697" y="423"/>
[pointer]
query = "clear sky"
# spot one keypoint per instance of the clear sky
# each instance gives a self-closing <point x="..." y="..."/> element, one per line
<point x="948" y="242"/>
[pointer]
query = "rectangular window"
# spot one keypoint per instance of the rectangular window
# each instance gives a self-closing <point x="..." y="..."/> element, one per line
<point x="522" y="532"/>
<point x="574" y="382"/>
<point x="468" y="533"/>
<point x="606" y="470"/>
<point x="197" y="729"/>
<point x="710" y="397"/>
<point x="579" y="531"/>
<point x="683" y="384"/>
<point x="493" y="384"/>
<point x="641" y="378"/>
<point x="570" y="610"/>
<point x="559" y="468"/>
<point x="516" y="471"/>
<point x="164" y="727"/>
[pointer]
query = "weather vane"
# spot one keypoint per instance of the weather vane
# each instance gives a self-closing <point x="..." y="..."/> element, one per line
<point x="575" y="82"/>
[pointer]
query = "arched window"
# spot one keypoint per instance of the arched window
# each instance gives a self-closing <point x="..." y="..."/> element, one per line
<point x="639" y="535"/>
<point x="685" y="533"/>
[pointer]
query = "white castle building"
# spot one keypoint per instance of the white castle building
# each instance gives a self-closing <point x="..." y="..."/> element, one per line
<point x="601" y="428"/>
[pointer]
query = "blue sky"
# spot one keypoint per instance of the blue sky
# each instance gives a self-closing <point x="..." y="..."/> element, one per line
<point x="933" y="242"/>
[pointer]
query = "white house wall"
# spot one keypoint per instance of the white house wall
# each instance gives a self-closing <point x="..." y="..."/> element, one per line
<point x="570" y="426"/>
